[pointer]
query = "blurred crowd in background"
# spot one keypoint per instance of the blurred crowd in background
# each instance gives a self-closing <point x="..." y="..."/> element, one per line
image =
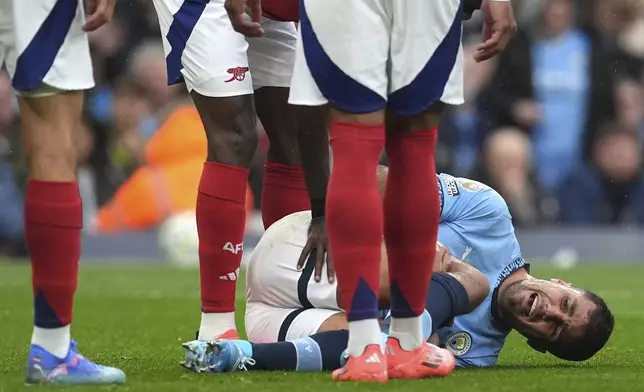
<point x="555" y="124"/>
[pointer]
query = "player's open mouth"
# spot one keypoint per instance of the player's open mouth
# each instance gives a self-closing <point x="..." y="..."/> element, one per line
<point x="532" y="304"/>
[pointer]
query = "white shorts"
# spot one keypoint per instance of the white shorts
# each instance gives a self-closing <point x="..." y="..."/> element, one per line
<point x="43" y="45"/>
<point x="268" y="324"/>
<point x="204" y="51"/>
<point x="282" y="302"/>
<point x="363" y="55"/>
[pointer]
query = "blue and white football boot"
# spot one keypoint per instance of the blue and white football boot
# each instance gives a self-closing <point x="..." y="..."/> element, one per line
<point x="45" y="368"/>
<point x="218" y="356"/>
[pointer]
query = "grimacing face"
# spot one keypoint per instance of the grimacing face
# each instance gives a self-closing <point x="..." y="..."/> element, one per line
<point x="543" y="310"/>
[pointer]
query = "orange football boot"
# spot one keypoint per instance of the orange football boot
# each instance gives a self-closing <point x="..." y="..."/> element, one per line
<point x="424" y="362"/>
<point x="371" y="366"/>
<point x="230" y="334"/>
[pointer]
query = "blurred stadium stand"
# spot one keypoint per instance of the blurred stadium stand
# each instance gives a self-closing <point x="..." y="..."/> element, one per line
<point x="555" y="124"/>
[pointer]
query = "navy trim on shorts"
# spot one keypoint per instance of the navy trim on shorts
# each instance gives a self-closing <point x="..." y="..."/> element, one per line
<point x="33" y="64"/>
<point x="286" y="324"/>
<point x="335" y="85"/>
<point x="303" y="281"/>
<point x="429" y="85"/>
<point x="183" y="23"/>
<point x="302" y="296"/>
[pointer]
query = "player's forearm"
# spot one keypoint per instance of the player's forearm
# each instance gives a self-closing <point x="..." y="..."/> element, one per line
<point x="473" y="281"/>
<point x="313" y="142"/>
<point x="458" y="266"/>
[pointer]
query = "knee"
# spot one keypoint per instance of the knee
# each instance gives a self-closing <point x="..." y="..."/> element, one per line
<point x="508" y="155"/>
<point x="373" y="118"/>
<point x="428" y="120"/>
<point x="235" y="147"/>
<point x="231" y="130"/>
<point x="336" y="322"/>
<point x="283" y="142"/>
<point x="286" y="156"/>
<point x="278" y="120"/>
<point x="51" y="154"/>
<point x="50" y="125"/>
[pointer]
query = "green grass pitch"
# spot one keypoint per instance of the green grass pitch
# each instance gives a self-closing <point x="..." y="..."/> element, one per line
<point x="136" y="316"/>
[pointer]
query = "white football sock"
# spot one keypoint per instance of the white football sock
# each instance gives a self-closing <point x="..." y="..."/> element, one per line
<point x="408" y="331"/>
<point x="363" y="333"/>
<point x="54" y="340"/>
<point x="214" y="324"/>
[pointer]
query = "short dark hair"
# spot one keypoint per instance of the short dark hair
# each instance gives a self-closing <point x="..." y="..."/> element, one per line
<point x="598" y="331"/>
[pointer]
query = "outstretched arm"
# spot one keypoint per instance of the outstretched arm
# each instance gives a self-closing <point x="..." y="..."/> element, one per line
<point x="313" y="143"/>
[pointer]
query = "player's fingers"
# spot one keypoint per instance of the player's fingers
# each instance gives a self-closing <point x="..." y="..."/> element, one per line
<point x="500" y="37"/>
<point x="97" y="18"/>
<point x="489" y="43"/>
<point x="234" y="7"/>
<point x="311" y="257"/>
<point x="486" y="47"/>
<point x="240" y="21"/>
<point x="330" y="272"/>
<point x="246" y="27"/>
<point x="304" y="255"/>
<point x="256" y="11"/>
<point x="319" y="261"/>
<point x="489" y="48"/>
<point x="235" y="14"/>
<point x="493" y="46"/>
<point x="484" y="56"/>
<point x="94" y="22"/>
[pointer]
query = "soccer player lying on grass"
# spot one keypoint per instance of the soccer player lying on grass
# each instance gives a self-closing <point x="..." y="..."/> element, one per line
<point x="284" y="304"/>
<point x="327" y="323"/>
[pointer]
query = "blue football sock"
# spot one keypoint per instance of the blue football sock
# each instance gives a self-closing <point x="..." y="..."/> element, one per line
<point x="319" y="352"/>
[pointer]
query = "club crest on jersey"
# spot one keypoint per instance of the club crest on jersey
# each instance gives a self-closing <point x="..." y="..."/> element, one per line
<point x="459" y="343"/>
<point x="451" y="187"/>
<point x="471" y="185"/>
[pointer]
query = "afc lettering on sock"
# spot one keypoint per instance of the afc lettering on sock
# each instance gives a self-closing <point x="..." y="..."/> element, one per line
<point x="234" y="248"/>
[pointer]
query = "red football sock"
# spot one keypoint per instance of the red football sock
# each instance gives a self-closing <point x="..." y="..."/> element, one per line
<point x="354" y="215"/>
<point x="53" y="222"/>
<point x="221" y="221"/>
<point x="283" y="192"/>
<point x="412" y="211"/>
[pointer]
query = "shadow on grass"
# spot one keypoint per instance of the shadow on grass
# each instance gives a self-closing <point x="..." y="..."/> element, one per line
<point x="543" y="366"/>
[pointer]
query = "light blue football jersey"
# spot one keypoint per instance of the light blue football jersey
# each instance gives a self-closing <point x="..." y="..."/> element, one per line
<point x="476" y="227"/>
